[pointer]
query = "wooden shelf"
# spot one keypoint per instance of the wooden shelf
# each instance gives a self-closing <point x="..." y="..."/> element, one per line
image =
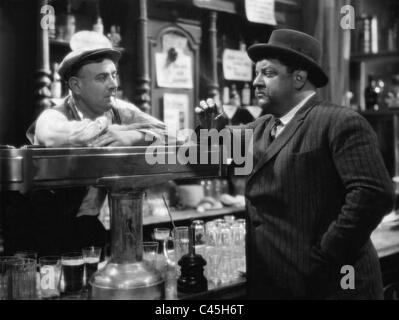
<point x="191" y="214"/>
<point x="362" y="57"/>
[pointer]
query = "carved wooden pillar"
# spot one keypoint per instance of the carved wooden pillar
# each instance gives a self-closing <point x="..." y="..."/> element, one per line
<point x="42" y="92"/>
<point x="142" y="92"/>
<point x="213" y="85"/>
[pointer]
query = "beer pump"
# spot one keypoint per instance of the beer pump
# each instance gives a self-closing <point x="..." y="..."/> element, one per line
<point x="125" y="172"/>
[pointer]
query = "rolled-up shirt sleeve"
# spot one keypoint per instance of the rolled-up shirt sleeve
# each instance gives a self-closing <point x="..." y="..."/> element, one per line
<point x="53" y="129"/>
<point x="133" y="118"/>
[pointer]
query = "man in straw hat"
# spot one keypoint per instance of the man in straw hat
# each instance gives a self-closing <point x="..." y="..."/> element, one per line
<point x="319" y="186"/>
<point x="91" y="115"/>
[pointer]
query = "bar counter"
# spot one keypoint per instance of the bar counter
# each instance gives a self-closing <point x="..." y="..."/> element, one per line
<point x="235" y="289"/>
<point x="385" y="238"/>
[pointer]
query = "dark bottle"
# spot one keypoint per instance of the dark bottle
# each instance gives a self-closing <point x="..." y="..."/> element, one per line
<point x="192" y="279"/>
<point x="371" y="94"/>
<point x="242" y="116"/>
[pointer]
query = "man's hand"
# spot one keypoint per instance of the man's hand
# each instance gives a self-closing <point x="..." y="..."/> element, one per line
<point x="114" y="137"/>
<point x="207" y="113"/>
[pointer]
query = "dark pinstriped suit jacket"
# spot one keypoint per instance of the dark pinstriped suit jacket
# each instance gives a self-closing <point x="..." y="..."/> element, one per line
<point x="313" y="198"/>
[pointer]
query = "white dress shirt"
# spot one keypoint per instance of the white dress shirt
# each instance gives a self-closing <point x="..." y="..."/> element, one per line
<point x="288" y="117"/>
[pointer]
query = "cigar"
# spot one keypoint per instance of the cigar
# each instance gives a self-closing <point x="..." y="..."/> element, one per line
<point x="218" y="116"/>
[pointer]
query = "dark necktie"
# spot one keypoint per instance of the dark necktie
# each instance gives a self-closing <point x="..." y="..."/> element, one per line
<point x="273" y="131"/>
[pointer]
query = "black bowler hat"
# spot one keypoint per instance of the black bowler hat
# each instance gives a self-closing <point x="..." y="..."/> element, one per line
<point x="296" y="47"/>
<point x="75" y="59"/>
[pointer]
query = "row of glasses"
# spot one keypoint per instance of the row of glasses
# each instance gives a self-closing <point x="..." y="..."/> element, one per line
<point x="77" y="268"/>
<point x="221" y="242"/>
<point x="224" y="249"/>
<point x="68" y="274"/>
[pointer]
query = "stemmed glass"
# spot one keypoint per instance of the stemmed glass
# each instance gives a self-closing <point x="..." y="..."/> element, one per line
<point x="163" y="235"/>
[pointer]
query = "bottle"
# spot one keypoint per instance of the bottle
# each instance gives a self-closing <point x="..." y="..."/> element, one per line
<point x="366" y="39"/>
<point x="371" y="95"/>
<point x="192" y="279"/>
<point x="374" y="34"/>
<point x="246" y="95"/>
<point x="98" y="26"/>
<point x="234" y="96"/>
<point x="56" y="85"/>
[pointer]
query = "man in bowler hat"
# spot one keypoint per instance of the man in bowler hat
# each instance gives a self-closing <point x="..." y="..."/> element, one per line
<point x="319" y="186"/>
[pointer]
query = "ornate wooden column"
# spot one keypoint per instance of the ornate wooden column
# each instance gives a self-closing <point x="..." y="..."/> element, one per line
<point x="142" y="81"/>
<point x="42" y="92"/>
<point x="213" y="85"/>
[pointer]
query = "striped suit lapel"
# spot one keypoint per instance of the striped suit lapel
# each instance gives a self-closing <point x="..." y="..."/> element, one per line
<point x="260" y="137"/>
<point x="271" y="150"/>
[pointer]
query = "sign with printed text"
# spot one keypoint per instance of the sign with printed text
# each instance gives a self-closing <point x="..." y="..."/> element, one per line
<point x="260" y="11"/>
<point x="175" y="110"/>
<point x="237" y="65"/>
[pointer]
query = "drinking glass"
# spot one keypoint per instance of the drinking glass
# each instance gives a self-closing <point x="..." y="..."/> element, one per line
<point x="199" y="229"/>
<point x="218" y="221"/>
<point x="229" y="219"/>
<point x="5" y="277"/>
<point x="180" y="241"/>
<point x="91" y="257"/>
<point x="163" y="235"/>
<point x="211" y="233"/>
<point x="26" y="254"/>
<point x="150" y="252"/>
<point x="22" y="279"/>
<point x="50" y="275"/>
<point x="72" y="272"/>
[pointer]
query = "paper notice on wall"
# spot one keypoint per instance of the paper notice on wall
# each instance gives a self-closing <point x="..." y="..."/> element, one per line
<point x="236" y="65"/>
<point x="174" y="74"/>
<point x="175" y="111"/>
<point x="260" y="11"/>
<point x="172" y="40"/>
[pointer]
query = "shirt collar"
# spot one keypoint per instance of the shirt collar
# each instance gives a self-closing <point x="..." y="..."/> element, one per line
<point x="288" y="117"/>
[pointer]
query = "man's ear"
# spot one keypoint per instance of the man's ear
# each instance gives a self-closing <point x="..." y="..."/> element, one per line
<point x="300" y="78"/>
<point x="75" y="85"/>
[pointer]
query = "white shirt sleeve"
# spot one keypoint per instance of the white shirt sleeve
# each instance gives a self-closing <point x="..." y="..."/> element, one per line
<point x="53" y="129"/>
